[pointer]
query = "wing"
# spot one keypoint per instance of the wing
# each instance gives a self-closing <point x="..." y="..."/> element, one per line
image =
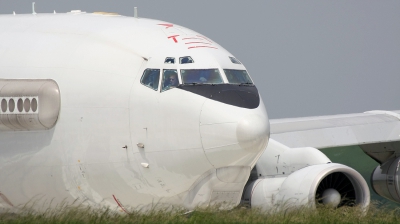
<point x="377" y="132"/>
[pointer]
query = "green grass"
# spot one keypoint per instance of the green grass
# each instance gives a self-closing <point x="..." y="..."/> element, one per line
<point x="237" y="215"/>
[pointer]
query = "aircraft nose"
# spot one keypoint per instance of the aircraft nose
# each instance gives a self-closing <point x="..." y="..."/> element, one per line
<point x="251" y="132"/>
<point x="233" y="136"/>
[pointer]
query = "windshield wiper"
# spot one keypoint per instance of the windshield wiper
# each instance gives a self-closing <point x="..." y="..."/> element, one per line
<point x="193" y="83"/>
<point x="246" y="84"/>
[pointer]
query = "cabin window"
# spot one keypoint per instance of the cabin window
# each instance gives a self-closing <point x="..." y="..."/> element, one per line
<point x="234" y="60"/>
<point x="185" y="60"/>
<point x="169" y="60"/>
<point x="170" y="79"/>
<point x="237" y="76"/>
<point x="151" y="78"/>
<point x="198" y="76"/>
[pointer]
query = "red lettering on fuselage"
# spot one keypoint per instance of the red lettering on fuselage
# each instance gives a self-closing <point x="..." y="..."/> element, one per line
<point x="174" y="38"/>
<point x="167" y="25"/>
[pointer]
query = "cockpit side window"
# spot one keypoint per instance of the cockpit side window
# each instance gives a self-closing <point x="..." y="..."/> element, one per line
<point x="234" y="60"/>
<point x="237" y="76"/>
<point x="170" y="79"/>
<point x="151" y="78"/>
<point x="169" y="60"/>
<point x="207" y="76"/>
<point x="185" y="60"/>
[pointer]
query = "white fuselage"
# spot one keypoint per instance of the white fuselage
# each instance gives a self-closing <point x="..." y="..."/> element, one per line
<point x="116" y="141"/>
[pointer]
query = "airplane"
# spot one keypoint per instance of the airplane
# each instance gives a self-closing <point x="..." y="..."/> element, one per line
<point x="128" y="113"/>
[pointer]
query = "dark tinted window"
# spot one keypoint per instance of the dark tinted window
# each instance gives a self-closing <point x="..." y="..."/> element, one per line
<point x="234" y="60"/>
<point x="208" y="76"/>
<point x="237" y="76"/>
<point x="185" y="60"/>
<point x="170" y="79"/>
<point x="169" y="60"/>
<point x="151" y="78"/>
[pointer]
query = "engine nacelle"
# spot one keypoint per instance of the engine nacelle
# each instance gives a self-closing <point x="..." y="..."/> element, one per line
<point x="333" y="184"/>
<point x="385" y="180"/>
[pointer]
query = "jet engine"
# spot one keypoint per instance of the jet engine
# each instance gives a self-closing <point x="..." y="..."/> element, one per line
<point x="328" y="184"/>
<point x="292" y="177"/>
<point x="385" y="180"/>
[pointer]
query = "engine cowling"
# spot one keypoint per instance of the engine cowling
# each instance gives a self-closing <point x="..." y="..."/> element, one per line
<point x="332" y="184"/>
<point x="385" y="180"/>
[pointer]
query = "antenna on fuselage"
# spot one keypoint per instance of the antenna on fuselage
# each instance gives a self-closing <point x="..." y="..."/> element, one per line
<point x="33" y="8"/>
<point x="135" y="14"/>
<point x="14" y="13"/>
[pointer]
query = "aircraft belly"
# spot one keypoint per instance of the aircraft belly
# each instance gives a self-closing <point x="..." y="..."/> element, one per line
<point x="173" y="172"/>
<point x="96" y="146"/>
<point x="31" y="170"/>
<point x="30" y="185"/>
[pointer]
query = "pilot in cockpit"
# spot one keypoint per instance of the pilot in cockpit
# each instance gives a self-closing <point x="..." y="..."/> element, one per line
<point x="170" y="79"/>
<point x="173" y="80"/>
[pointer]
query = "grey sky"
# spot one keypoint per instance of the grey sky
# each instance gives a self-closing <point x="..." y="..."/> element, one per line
<point x="307" y="57"/>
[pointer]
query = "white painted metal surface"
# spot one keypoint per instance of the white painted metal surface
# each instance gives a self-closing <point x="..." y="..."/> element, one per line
<point x="337" y="130"/>
<point x="117" y="142"/>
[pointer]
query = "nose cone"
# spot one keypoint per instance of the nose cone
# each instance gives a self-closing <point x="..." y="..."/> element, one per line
<point x="252" y="132"/>
<point x="231" y="135"/>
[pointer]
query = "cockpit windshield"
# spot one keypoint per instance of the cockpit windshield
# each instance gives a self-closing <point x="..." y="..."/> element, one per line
<point x="196" y="76"/>
<point x="237" y="76"/>
<point x="170" y="79"/>
<point x="150" y="78"/>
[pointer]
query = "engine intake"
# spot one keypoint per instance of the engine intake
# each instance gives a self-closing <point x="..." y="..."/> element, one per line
<point x="331" y="184"/>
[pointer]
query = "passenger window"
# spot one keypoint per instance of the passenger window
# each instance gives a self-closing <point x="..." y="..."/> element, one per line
<point x="170" y="79"/>
<point x="151" y="78"/>
<point x="169" y="60"/>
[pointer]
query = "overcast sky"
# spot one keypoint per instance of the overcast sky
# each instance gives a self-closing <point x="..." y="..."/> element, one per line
<point x="307" y="58"/>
